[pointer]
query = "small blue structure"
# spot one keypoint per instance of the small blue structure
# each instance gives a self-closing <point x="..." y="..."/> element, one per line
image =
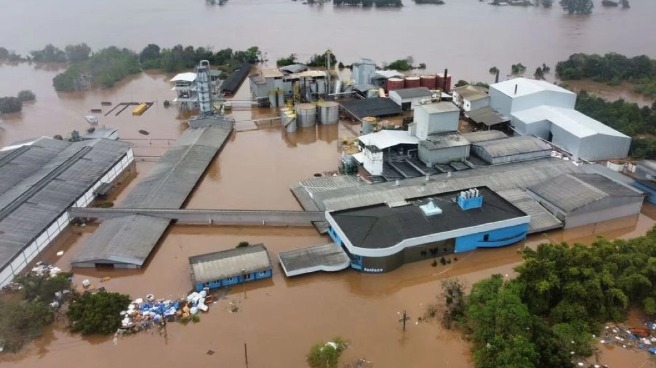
<point x="230" y="267"/>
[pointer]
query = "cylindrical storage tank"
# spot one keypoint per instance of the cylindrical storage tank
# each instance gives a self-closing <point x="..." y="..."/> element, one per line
<point x="412" y="82"/>
<point x="273" y="99"/>
<point x="368" y="124"/>
<point x="441" y="83"/>
<point x="395" y="83"/>
<point x="290" y="119"/>
<point x="328" y="112"/>
<point x="306" y="114"/>
<point x="428" y="81"/>
<point x="281" y="98"/>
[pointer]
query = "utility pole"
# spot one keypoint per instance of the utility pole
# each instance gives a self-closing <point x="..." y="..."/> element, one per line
<point x="328" y="53"/>
<point x="246" y="354"/>
<point x="404" y="318"/>
<point x="243" y="279"/>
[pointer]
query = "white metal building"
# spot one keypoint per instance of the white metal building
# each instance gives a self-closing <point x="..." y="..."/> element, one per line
<point x="470" y="97"/>
<point x="375" y="143"/>
<point x="39" y="181"/>
<point x="545" y="110"/>
<point x="363" y="71"/>
<point x="582" y="199"/>
<point x="435" y="118"/>
<point x="409" y="98"/>
<point x="443" y="148"/>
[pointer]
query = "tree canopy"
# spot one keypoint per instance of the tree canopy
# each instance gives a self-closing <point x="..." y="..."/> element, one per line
<point x="10" y="105"/>
<point x="96" y="313"/>
<point x="26" y="95"/>
<point x="326" y="355"/>
<point x="580" y="7"/>
<point x="49" y="54"/>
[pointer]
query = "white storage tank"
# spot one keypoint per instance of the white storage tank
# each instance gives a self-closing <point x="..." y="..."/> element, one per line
<point x="306" y="114"/>
<point x="328" y="112"/>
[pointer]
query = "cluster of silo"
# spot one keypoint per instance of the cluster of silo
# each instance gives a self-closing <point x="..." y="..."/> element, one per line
<point x="306" y="115"/>
<point x="328" y="112"/>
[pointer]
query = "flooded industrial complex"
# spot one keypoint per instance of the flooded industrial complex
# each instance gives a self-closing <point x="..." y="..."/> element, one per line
<point x="293" y="204"/>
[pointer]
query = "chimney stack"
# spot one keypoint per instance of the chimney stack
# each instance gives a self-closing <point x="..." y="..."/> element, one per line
<point x="496" y="78"/>
<point x="515" y="89"/>
<point x="446" y="72"/>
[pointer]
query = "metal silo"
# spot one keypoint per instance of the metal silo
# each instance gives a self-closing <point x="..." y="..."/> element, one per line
<point x="395" y="83"/>
<point x="328" y="112"/>
<point x="306" y="114"/>
<point x="412" y="82"/>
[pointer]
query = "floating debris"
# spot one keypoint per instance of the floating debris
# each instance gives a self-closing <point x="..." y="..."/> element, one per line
<point x="144" y="132"/>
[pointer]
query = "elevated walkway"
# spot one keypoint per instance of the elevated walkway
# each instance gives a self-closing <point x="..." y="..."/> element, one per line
<point x="209" y="216"/>
<point x="329" y="257"/>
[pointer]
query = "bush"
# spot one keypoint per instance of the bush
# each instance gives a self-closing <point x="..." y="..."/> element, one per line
<point x="289" y="60"/>
<point x="326" y="355"/>
<point x="242" y="244"/>
<point x="96" y="313"/>
<point x="26" y="95"/>
<point x="22" y="321"/>
<point x="10" y="105"/>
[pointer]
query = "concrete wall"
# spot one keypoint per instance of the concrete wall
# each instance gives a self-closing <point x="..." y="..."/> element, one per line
<point x="442" y="156"/>
<point x="434" y="123"/>
<point x="373" y="162"/>
<point x="475" y="105"/>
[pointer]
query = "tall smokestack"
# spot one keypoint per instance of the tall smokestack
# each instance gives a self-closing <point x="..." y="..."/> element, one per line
<point x="446" y="71"/>
<point x="515" y="89"/>
<point x="496" y="78"/>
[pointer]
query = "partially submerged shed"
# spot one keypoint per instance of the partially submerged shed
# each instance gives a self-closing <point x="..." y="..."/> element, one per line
<point x="230" y="267"/>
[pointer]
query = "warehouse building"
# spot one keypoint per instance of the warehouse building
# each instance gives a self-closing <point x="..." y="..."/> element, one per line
<point x="511" y="149"/>
<point x="230" y="267"/>
<point x="470" y="98"/>
<point x="410" y="98"/>
<point x="383" y="237"/>
<point x="545" y="110"/>
<point x="580" y="199"/>
<point x="39" y="181"/>
<point x="435" y="118"/>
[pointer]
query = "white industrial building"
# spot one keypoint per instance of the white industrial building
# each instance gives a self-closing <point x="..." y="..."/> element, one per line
<point x="374" y="144"/>
<point x="545" y="110"/>
<point x="410" y="98"/>
<point x="443" y="148"/>
<point x="435" y="118"/>
<point x="186" y="87"/>
<point x="581" y="199"/>
<point x="470" y="98"/>
<point x="39" y="181"/>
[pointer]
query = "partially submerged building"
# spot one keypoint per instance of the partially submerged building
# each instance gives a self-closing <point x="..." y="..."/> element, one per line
<point x="581" y="199"/>
<point x="383" y="237"/>
<point x="230" y="267"/>
<point x="470" y="98"/>
<point x="546" y="111"/>
<point x="39" y="181"/>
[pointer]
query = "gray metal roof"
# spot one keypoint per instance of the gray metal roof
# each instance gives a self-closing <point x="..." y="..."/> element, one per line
<point x="572" y="191"/>
<point x="328" y="257"/>
<point x="337" y="193"/>
<point x="40" y="181"/>
<point x="471" y="93"/>
<point x="513" y="146"/>
<point x="444" y="140"/>
<point x="484" y="135"/>
<point x="167" y="186"/>
<point x="541" y="219"/>
<point x="439" y="107"/>
<point x="413" y="92"/>
<point x="229" y="263"/>
<point x="487" y="115"/>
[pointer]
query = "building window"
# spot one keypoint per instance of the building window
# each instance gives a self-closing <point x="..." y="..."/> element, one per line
<point x="486" y="237"/>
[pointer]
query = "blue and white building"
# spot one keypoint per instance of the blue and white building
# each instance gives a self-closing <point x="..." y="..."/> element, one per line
<point x="383" y="237"/>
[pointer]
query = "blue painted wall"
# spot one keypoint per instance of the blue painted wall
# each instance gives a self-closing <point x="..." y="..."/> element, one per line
<point x="234" y="280"/>
<point x="492" y="239"/>
<point x="651" y="194"/>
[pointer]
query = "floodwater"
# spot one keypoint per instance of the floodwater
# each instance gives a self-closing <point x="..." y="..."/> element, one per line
<point x="279" y="319"/>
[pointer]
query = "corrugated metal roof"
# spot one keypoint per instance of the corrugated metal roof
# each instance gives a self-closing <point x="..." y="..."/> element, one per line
<point x="186" y="77"/>
<point x="527" y="86"/>
<point x="572" y="121"/>
<point x="371" y="107"/>
<point x="167" y="186"/>
<point x="229" y="263"/>
<point x="388" y="138"/>
<point x="439" y="107"/>
<point x="513" y="146"/>
<point x="40" y="181"/>
<point x="471" y="93"/>
<point x="484" y="135"/>
<point x="541" y="219"/>
<point x="572" y="191"/>
<point x="486" y="115"/>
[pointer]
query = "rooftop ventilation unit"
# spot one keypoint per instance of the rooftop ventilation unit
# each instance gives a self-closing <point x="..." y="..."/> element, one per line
<point x="470" y="199"/>
<point x="430" y="209"/>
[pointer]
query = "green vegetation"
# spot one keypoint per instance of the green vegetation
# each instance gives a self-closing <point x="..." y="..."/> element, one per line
<point x="494" y="70"/>
<point x="562" y="296"/>
<point x="579" y="7"/>
<point x="180" y="58"/>
<point x="243" y="244"/>
<point x="25" y="315"/>
<point x="319" y="60"/>
<point x="289" y="60"/>
<point x="405" y="64"/>
<point x="517" y="69"/>
<point x="96" y="313"/>
<point x="462" y="82"/>
<point x="49" y="54"/>
<point x="611" y="68"/>
<point x="369" y="3"/>
<point x="77" y="53"/>
<point x="453" y="292"/>
<point x="10" y="105"/>
<point x="326" y="355"/>
<point x="26" y="95"/>
<point x="545" y="3"/>
<point x="104" y="69"/>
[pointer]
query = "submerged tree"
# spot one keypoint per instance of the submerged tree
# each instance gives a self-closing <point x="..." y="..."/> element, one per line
<point x="326" y="355"/>
<point x="580" y="7"/>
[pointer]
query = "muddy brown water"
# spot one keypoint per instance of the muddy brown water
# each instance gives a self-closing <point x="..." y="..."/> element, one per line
<point x="279" y="319"/>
